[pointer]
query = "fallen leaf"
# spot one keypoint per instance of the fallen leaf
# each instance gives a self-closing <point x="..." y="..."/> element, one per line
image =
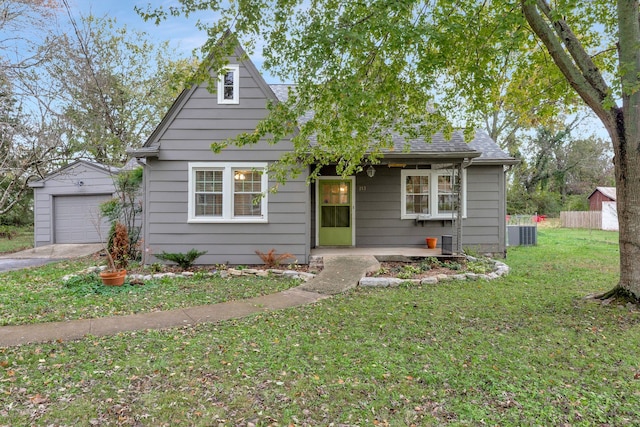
<point x="38" y="399"/>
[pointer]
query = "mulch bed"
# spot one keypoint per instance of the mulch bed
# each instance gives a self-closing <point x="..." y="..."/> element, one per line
<point x="391" y="269"/>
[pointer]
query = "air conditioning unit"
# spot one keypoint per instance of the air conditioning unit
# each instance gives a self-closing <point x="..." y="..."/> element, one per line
<point x="528" y="235"/>
<point x="522" y="235"/>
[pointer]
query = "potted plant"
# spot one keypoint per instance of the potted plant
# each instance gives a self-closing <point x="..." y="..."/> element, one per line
<point x="432" y="242"/>
<point x="117" y="257"/>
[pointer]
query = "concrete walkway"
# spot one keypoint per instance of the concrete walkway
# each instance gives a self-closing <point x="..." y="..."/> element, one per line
<point x="338" y="275"/>
<point x="36" y="257"/>
<point x="56" y="251"/>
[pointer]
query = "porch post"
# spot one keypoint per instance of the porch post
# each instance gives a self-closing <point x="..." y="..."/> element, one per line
<point x="459" y="211"/>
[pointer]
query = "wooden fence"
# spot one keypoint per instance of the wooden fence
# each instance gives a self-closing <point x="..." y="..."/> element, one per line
<point x="581" y="219"/>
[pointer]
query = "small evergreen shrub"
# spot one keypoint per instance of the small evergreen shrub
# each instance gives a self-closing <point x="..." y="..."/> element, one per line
<point x="184" y="261"/>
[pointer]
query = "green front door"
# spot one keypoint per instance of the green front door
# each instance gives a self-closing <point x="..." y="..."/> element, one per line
<point x="334" y="213"/>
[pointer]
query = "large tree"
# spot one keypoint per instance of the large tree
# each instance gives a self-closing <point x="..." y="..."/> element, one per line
<point x="88" y="93"/>
<point x="355" y="62"/>
<point x="123" y="82"/>
<point x="28" y="137"/>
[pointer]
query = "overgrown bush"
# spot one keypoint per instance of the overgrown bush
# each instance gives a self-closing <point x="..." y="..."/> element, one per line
<point x="184" y="261"/>
<point x="7" y="232"/>
<point x="576" y="203"/>
<point x="21" y="214"/>
<point x="127" y="207"/>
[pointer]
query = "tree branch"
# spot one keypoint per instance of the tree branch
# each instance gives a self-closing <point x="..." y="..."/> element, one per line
<point x="582" y="60"/>
<point x="594" y="96"/>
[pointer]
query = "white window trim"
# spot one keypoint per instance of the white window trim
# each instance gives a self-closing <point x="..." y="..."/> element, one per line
<point x="433" y="194"/>
<point x="227" y="192"/>
<point x="235" y="69"/>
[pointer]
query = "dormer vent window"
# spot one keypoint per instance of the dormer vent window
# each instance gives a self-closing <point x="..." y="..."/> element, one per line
<point x="229" y="85"/>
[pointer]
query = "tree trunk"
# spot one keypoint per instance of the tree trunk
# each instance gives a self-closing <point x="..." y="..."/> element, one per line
<point x="627" y="167"/>
<point x="625" y="136"/>
<point x="622" y="123"/>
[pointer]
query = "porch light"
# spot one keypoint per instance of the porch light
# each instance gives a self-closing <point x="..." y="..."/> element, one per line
<point x="371" y="171"/>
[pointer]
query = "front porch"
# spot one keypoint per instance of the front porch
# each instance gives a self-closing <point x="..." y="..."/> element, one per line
<point x="401" y="254"/>
<point x="408" y="252"/>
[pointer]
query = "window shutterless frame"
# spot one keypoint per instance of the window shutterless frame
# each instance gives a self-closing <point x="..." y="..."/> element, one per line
<point x="431" y="193"/>
<point x="229" y="85"/>
<point x="227" y="192"/>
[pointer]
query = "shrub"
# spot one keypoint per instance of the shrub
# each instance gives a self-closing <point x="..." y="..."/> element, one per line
<point x="7" y="232"/>
<point x="184" y="261"/>
<point x="84" y="284"/>
<point x="119" y="249"/>
<point x="576" y="202"/>
<point x="126" y="207"/>
<point x="452" y="265"/>
<point x="480" y="266"/>
<point x="271" y="259"/>
<point x="408" y="271"/>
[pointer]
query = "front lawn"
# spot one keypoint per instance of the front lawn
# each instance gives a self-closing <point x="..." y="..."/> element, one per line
<point x="40" y="295"/>
<point x="14" y="239"/>
<point x="526" y="349"/>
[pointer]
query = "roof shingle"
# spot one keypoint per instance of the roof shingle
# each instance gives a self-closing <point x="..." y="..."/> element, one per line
<point x="482" y="142"/>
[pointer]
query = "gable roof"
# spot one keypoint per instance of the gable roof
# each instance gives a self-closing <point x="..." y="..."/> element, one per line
<point x="482" y="149"/>
<point x="99" y="167"/>
<point x="151" y="146"/>
<point x="609" y="192"/>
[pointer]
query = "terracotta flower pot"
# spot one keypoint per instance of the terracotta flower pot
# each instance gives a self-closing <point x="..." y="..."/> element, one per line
<point x="113" y="278"/>
<point x="432" y="242"/>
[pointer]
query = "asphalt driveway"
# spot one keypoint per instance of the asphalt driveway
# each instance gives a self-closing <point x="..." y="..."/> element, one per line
<point x="46" y="254"/>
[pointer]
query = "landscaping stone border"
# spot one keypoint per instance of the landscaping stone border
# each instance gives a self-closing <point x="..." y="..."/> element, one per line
<point x="230" y="272"/>
<point x="500" y="269"/>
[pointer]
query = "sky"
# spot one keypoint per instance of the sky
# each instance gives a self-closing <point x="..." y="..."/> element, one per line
<point x="181" y="32"/>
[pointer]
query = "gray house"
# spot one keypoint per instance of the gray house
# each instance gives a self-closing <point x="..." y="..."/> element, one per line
<point x="66" y="203"/>
<point x="197" y="199"/>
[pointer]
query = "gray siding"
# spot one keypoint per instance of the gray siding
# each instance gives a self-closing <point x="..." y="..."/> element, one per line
<point x="167" y="229"/>
<point x="65" y="183"/>
<point x="378" y="222"/>
<point x="187" y="137"/>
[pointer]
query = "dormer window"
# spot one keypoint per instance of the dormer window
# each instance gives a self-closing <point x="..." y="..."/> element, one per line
<point x="229" y="85"/>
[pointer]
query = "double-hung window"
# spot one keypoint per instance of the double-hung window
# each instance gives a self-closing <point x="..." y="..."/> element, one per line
<point x="229" y="85"/>
<point x="227" y="192"/>
<point x="431" y="193"/>
<point x="417" y="196"/>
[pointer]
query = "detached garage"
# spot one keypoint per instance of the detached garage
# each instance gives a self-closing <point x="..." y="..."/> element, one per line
<point x="67" y="203"/>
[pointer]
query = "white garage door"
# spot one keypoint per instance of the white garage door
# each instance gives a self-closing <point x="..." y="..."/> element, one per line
<point x="74" y="218"/>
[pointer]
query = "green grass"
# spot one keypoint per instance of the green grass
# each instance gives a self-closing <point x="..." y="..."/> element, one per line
<point x="527" y="349"/>
<point x="40" y="295"/>
<point x="23" y="240"/>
